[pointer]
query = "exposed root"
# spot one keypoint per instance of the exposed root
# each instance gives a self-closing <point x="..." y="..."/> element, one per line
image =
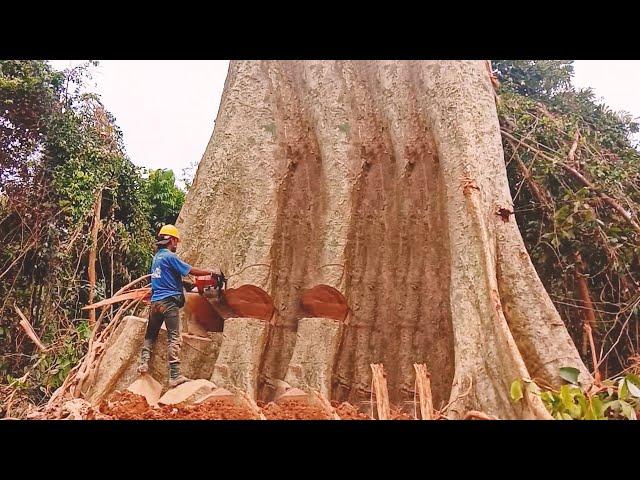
<point x="477" y="415"/>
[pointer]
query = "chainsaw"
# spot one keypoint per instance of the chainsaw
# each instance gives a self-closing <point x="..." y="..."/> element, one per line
<point x="211" y="285"/>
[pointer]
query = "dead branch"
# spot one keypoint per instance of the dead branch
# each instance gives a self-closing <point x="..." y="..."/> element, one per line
<point x="91" y="268"/>
<point x="537" y="191"/>
<point x="574" y="147"/>
<point x="137" y="294"/>
<point x="26" y="326"/>
<point x="581" y="179"/>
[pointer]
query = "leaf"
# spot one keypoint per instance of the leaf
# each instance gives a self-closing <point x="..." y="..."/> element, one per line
<point x="565" y="396"/>
<point x="623" y="390"/>
<point x="547" y="397"/>
<point x="516" y="390"/>
<point x="597" y="407"/>
<point x="570" y="374"/>
<point x="585" y="408"/>
<point x="627" y="410"/>
<point x="633" y="390"/>
<point x="631" y="378"/>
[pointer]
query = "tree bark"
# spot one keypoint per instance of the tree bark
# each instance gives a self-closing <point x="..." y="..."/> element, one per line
<point x="386" y="181"/>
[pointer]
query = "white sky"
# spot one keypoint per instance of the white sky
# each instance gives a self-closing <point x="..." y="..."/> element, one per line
<point x="166" y="108"/>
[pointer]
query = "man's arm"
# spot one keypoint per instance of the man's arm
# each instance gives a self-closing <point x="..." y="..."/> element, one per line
<point x="199" y="272"/>
<point x="185" y="269"/>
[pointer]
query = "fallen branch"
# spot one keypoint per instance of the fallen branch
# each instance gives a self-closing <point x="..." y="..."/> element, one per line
<point x="26" y="326"/>
<point x="83" y="369"/>
<point x="138" y="294"/>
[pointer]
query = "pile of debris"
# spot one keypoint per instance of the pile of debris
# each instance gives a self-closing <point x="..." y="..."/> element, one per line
<point x="129" y="406"/>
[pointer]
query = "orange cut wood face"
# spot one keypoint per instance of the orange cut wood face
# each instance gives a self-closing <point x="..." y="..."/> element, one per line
<point x="324" y="301"/>
<point x="202" y="312"/>
<point x="249" y="301"/>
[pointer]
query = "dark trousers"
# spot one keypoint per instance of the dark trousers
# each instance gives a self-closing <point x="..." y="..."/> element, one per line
<point x="167" y="311"/>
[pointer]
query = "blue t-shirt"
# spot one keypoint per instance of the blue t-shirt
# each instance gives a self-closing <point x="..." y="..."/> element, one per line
<point x="167" y="271"/>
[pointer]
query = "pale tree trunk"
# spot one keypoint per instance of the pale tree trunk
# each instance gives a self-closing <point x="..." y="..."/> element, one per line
<point x="384" y="180"/>
<point x="91" y="266"/>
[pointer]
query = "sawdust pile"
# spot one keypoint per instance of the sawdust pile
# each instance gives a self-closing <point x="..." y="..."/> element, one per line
<point x="128" y="406"/>
<point x="293" y="410"/>
<point x="124" y="405"/>
<point x="346" y="411"/>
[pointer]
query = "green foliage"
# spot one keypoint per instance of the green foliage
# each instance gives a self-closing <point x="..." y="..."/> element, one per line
<point x="539" y="79"/>
<point x="570" y="374"/>
<point x="616" y="399"/>
<point x="59" y="148"/>
<point x="573" y="232"/>
<point x="516" y="391"/>
<point x="165" y="198"/>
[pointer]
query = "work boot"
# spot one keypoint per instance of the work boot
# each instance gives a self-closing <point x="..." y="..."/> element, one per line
<point x="175" y="378"/>
<point x="174" y="382"/>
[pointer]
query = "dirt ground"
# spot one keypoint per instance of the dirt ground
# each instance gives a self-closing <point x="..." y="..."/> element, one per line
<point x="128" y="406"/>
<point x="293" y="410"/>
<point x="124" y="405"/>
<point x="346" y="411"/>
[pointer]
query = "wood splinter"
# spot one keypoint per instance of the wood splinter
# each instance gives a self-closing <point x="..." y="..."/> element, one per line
<point x="379" y="387"/>
<point x="423" y="390"/>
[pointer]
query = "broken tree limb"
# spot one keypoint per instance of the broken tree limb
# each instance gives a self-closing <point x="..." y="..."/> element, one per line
<point x="26" y="326"/>
<point x="581" y="179"/>
<point x="537" y="191"/>
<point x="587" y="310"/>
<point x="97" y="340"/>
<point x="574" y="147"/>
<point x="379" y="387"/>
<point x="423" y="388"/>
<point x="138" y="294"/>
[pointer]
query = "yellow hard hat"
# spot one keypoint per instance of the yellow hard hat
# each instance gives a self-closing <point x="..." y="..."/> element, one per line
<point x="169" y="230"/>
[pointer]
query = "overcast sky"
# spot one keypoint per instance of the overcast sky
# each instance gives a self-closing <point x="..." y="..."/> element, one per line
<point x="166" y="108"/>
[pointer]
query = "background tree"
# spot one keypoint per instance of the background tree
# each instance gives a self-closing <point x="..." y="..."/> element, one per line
<point x="165" y="198"/>
<point x="60" y="151"/>
<point x="574" y="174"/>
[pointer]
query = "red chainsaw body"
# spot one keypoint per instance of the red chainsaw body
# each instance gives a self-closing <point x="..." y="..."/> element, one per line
<point x="207" y="281"/>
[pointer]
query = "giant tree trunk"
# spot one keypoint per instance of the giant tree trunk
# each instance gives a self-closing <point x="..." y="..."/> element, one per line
<point x="385" y="180"/>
